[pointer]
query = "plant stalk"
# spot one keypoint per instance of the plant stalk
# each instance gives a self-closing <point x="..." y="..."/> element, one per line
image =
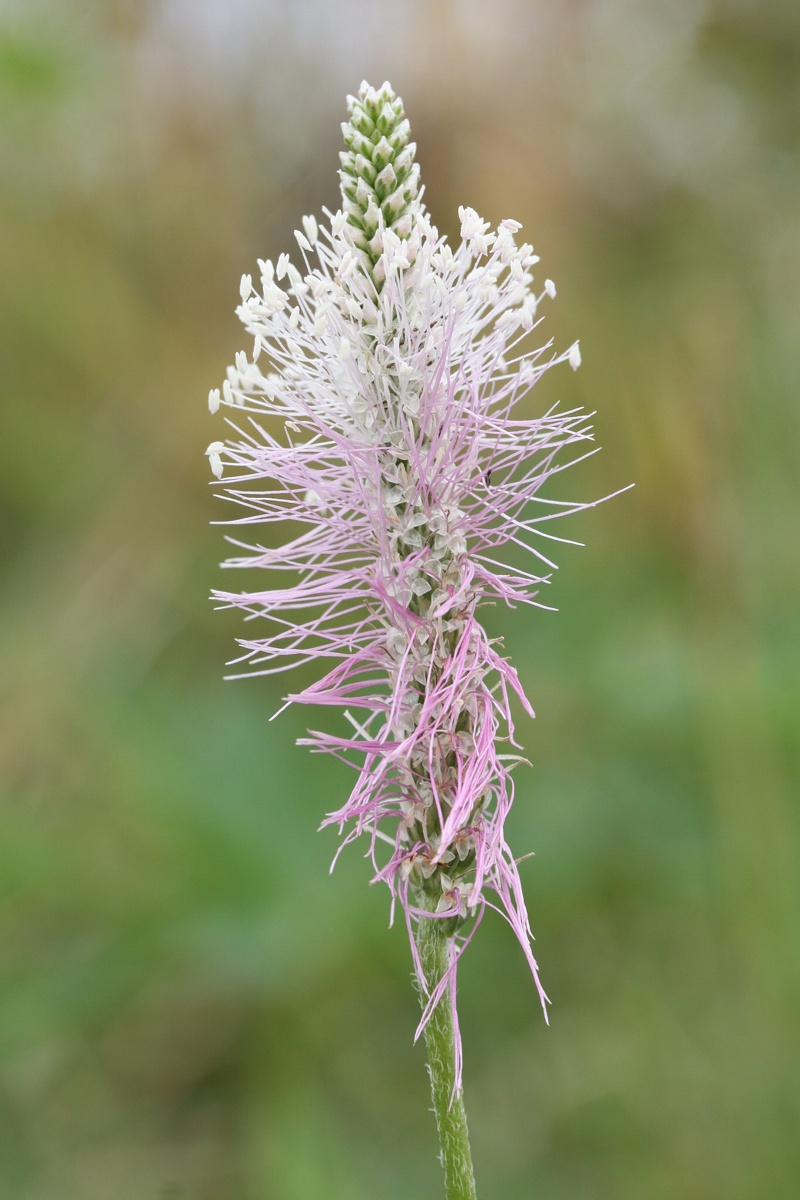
<point x="435" y="946"/>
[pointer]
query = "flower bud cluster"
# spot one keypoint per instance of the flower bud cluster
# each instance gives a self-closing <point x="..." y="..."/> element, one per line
<point x="379" y="177"/>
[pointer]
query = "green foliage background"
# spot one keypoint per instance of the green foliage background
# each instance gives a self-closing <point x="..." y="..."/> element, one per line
<point x="190" y="1006"/>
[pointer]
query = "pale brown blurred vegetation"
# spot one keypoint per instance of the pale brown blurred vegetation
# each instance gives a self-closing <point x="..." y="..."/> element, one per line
<point x="189" y="1006"/>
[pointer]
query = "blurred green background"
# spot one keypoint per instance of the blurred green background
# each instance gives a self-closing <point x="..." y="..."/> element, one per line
<point x="190" y="1006"/>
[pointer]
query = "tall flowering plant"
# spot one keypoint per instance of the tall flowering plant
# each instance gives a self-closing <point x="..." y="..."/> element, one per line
<point x="394" y="363"/>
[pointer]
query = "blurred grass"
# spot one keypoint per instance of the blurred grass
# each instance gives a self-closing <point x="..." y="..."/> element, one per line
<point x="189" y="1005"/>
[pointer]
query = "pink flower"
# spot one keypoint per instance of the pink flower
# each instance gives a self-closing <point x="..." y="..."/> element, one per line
<point x="378" y="418"/>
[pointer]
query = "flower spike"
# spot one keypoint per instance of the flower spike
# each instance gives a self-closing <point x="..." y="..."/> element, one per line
<point x="396" y="363"/>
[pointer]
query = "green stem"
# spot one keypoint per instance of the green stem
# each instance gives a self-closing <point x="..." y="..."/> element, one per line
<point x="434" y="948"/>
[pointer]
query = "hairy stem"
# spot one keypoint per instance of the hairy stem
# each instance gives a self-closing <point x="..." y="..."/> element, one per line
<point x="435" y="947"/>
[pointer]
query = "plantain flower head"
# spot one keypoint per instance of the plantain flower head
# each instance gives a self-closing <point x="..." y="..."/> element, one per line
<point x="378" y="425"/>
